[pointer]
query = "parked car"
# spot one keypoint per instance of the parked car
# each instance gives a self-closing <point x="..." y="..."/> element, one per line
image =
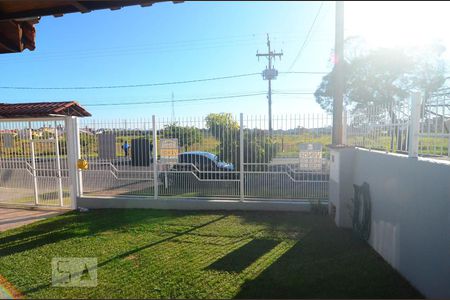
<point x="204" y="165"/>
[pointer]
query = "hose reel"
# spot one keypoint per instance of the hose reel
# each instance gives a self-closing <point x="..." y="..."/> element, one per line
<point x="362" y="211"/>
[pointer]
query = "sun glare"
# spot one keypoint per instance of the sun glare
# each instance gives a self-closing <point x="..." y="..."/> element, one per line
<point x="398" y="23"/>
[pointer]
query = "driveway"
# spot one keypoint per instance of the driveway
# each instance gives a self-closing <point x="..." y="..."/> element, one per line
<point x="16" y="217"/>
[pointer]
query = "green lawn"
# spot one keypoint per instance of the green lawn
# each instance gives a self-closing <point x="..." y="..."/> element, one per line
<point x="172" y="254"/>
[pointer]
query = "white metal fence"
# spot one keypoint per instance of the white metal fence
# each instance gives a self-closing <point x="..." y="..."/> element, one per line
<point x="388" y="127"/>
<point x="220" y="156"/>
<point x="33" y="163"/>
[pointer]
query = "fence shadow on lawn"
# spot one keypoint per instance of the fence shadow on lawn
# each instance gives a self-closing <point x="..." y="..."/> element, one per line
<point x="64" y="227"/>
<point x="326" y="262"/>
<point x="244" y="256"/>
<point x="127" y="253"/>
<point x="287" y="255"/>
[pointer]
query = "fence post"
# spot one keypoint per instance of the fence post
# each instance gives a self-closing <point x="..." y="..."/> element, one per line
<point x="58" y="165"/>
<point x="33" y="165"/>
<point x="155" y="157"/>
<point x="413" y="147"/>
<point x="241" y="157"/>
<point x="73" y="155"/>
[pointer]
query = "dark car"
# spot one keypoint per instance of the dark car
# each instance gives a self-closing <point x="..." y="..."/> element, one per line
<point x="204" y="165"/>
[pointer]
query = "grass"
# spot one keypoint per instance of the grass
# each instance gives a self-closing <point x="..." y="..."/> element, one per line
<point x="173" y="254"/>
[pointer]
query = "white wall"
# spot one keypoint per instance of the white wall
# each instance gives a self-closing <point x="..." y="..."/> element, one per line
<point x="410" y="214"/>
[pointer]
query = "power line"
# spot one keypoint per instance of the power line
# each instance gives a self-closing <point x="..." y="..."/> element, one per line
<point x="152" y="48"/>
<point x="293" y="93"/>
<point x="305" y="72"/>
<point x="198" y="99"/>
<point x="177" y="100"/>
<point x="126" y="86"/>
<point x="150" y="84"/>
<point x="307" y="37"/>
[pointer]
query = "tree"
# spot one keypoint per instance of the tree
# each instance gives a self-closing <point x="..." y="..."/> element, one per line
<point x="384" y="77"/>
<point x="259" y="147"/>
<point x="186" y="135"/>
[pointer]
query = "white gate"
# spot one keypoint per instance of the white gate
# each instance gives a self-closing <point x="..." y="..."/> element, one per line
<point x="34" y="162"/>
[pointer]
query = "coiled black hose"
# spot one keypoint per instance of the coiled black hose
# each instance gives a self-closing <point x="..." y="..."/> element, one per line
<point x="362" y="211"/>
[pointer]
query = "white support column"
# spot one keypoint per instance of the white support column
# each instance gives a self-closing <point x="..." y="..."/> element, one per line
<point x="72" y="158"/>
<point x="413" y="147"/>
<point x="155" y="157"/>
<point x="241" y="157"/>
<point x="33" y="165"/>
<point x="58" y="166"/>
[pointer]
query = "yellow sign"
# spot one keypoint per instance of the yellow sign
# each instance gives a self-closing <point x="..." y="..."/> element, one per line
<point x="82" y="164"/>
<point x="169" y="152"/>
<point x="168" y="148"/>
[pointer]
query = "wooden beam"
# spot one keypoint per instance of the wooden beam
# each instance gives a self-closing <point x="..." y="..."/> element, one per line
<point x="81" y="7"/>
<point x="10" y="36"/>
<point x="6" y="45"/>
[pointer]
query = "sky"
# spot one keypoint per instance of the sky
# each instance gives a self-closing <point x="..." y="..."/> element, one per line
<point x="197" y="40"/>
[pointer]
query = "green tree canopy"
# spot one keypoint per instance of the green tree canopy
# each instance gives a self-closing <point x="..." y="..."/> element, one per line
<point x="384" y="75"/>
<point x="259" y="147"/>
<point x="186" y="135"/>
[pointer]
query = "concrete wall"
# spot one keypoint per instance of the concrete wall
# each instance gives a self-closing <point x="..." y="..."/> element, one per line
<point x="410" y="212"/>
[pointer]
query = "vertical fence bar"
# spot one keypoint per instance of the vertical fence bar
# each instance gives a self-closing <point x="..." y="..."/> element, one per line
<point x="155" y="158"/>
<point x="415" y="125"/>
<point x="33" y="165"/>
<point x="241" y="157"/>
<point x="58" y="166"/>
<point x="77" y="148"/>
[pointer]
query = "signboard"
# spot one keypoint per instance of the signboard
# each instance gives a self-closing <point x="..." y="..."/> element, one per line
<point x="168" y="148"/>
<point x="310" y="157"/>
<point x="8" y="140"/>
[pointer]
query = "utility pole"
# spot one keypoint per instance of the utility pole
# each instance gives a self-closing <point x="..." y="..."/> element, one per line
<point x="270" y="73"/>
<point x="338" y="99"/>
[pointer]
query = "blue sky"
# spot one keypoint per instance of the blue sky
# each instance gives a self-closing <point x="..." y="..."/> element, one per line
<point x="192" y="40"/>
<point x="172" y="42"/>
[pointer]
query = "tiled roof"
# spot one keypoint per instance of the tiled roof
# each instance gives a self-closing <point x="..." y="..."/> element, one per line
<point x="42" y="109"/>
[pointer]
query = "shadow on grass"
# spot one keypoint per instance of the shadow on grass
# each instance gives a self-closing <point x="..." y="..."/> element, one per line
<point x="244" y="256"/>
<point x="137" y="249"/>
<point x="328" y="263"/>
<point x="71" y="225"/>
